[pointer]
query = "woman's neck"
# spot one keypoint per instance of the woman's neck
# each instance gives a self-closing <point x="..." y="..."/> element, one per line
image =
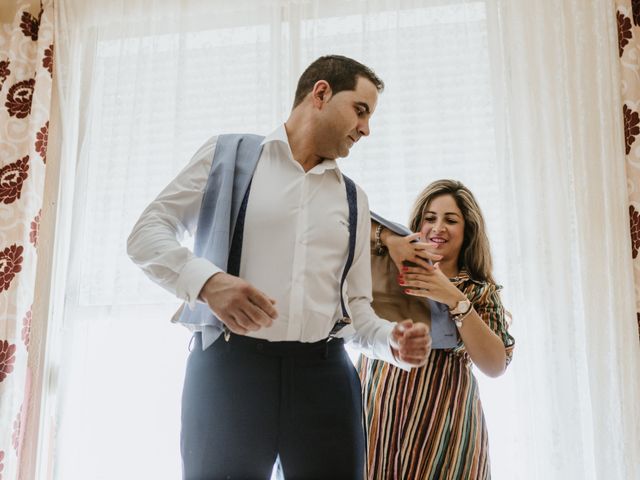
<point x="449" y="268"/>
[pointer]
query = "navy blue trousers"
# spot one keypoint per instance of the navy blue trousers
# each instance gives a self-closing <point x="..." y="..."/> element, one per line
<point x="247" y="402"/>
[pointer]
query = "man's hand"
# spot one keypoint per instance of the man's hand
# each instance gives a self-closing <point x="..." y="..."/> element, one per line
<point x="238" y="304"/>
<point x="411" y="342"/>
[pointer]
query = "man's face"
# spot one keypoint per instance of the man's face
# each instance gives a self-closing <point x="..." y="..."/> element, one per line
<point x="344" y="119"/>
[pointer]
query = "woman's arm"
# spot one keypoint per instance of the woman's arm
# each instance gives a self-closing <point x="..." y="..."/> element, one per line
<point x="485" y="348"/>
<point x="482" y="344"/>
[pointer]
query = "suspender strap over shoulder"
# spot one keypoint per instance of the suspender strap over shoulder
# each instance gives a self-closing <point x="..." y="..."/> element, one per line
<point x="233" y="265"/>
<point x="235" y="252"/>
<point x="352" y="201"/>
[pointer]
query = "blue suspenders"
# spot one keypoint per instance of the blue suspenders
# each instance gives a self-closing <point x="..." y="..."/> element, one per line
<point x="235" y="253"/>
<point x="352" y="201"/>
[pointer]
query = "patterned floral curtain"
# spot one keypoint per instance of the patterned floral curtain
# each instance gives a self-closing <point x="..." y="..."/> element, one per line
<point x="26" y="67"/>
<point x="628" y="15"/>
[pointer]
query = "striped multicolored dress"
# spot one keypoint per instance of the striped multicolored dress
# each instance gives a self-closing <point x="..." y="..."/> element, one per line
<point x="428" y="423"/>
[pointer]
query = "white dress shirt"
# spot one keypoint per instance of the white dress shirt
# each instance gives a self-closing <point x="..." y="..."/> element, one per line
<point x="295" y="246"/>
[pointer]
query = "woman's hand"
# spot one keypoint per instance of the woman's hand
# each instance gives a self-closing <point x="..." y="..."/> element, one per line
<point x="484" y="347"/>
<point x="402" y="249"/>
<point x="430" y="282"/>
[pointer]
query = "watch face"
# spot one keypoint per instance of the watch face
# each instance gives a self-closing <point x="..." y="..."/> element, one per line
<point x="462" y="306"/>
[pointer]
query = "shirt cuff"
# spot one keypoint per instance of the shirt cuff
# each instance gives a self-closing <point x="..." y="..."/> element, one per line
<point x="192" y="278"/>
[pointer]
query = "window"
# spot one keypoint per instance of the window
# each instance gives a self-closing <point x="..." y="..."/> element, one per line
<point x="160" y="85"/>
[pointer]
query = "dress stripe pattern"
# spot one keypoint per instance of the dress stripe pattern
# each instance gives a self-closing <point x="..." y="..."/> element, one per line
<point x="428" y="423"/>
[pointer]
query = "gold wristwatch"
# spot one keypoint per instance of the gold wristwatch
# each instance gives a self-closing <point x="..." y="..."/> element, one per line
<point x="460" y="311"/>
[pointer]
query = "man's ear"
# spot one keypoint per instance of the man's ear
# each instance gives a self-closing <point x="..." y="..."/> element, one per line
<point x="321" y="93"/>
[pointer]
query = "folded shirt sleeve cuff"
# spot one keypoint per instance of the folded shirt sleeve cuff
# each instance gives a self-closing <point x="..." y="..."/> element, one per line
<point x="192" y="278"/>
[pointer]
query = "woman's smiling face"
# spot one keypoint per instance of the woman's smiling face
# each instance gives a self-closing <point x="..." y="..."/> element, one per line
<point x="443" y="227"/>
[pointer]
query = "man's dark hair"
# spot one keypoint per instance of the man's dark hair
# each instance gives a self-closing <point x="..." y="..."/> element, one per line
<point x="340" y="72"/>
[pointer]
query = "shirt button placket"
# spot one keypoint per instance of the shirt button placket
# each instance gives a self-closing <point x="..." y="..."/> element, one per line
<point x="298" y="270"/>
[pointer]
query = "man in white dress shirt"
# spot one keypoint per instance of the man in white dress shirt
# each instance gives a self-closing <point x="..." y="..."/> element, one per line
<point x="274" y="387"/>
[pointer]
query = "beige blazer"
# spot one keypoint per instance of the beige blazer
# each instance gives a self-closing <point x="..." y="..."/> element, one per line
<point x="389" y="301"/>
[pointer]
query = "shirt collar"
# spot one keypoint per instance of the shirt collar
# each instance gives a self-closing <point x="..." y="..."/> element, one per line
<point x="279" y="135"/>
<point x="463" y="277"/>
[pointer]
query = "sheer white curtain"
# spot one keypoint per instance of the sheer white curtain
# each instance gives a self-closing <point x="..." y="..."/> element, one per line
<point x="513" y="98"/>
<point x="562" y="164"/>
